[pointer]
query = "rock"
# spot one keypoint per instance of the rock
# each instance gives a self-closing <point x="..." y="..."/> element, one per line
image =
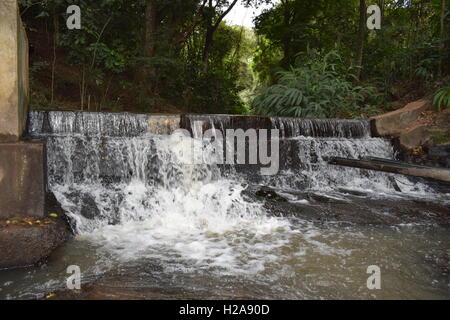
<point x="270" y="194"/>
<point x="89" y="208"/>
<point x="392" y="123"/>
<point x="323" y="199"/>
<point x="415" y="137"/>
<point x="29" y="242"/>
<point x="163" y="124"/>
<point x="439" y="151"/>
<point x="439" y="155"/>
<point x="353" y="192"/>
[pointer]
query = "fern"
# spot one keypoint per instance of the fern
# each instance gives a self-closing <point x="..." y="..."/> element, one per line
<point x="441" y="99"/>
<point x="318" y="88"/>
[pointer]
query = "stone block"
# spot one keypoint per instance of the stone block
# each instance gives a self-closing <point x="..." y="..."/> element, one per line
<point x="22" y="180"/>
<point x="393" y="123"/>
<point x="23" y="245"/>
<point x="415" y="137"/>
<point x="163" y="124"/>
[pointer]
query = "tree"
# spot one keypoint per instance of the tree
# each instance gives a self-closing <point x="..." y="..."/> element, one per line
<point x="361" y="37"/>
<point x="442" y="36"/>
<point x="213" y="15"/>
<point x="151" y="24"/>
<point x="160" y="55"/>
<point x="381" y="4"/>
<point x="293" y="26"/>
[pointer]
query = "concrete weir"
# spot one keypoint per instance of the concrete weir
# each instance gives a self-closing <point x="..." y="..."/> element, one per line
<point x="22" y="164"/>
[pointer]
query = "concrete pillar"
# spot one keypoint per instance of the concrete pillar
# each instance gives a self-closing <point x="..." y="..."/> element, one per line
<point x="14" y="78"/>
<point x="22" y="179"/>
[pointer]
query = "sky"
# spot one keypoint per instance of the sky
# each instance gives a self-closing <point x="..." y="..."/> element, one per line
<point x="243" y="16"/>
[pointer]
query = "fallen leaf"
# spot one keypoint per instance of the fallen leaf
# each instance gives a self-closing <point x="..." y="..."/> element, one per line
<point x="53" y="215"/>
<point x="51" y="295"/>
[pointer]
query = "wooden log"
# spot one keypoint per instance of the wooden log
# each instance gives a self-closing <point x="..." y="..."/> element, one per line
<point x="391" y="166"/>
<point x="395" y="163"/>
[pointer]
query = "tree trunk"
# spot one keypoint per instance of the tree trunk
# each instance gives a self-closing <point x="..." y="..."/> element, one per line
<point x="148" y="73"/>
<point x="150" y="28"/>
<point x="209" y="39"/>
<point x="286" y="37"/>
<point x="442" y="36"/>
<point x="211" y="29"/>
<point x="55" y="44"/>
<point x="382" y="6"/>
<point x="361" y="37"/>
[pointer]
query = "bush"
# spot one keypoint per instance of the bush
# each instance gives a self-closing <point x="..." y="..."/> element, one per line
<point x="213" y="92"/>
<point x="441" y="99"/>
<point x="319" y="88"/>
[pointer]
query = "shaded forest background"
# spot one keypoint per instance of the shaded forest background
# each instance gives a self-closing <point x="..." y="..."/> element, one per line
<point x="305" y="58"/>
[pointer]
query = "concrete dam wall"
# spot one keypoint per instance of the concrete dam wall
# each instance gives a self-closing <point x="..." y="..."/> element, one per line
<point x="21" y="163"/>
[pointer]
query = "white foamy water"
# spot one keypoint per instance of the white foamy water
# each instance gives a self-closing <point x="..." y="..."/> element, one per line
<point x="312" y="171"/>
<point x="161" y="207"/>
<point x="138" y="197"/>
<point x="209" y="226"/>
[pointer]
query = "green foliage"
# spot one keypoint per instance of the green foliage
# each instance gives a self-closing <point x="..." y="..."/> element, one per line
<point x="110" y="59"/>
<point x="409" y="54"/>
<point x="441" y="99"/>
<point x="37" y="67"/>
<point x="212" y="91"/>
<point x="107" y="65"/>
<point x="39" y="101"/>
<point x="318" y="86"/>
<point x="295" y="25"/>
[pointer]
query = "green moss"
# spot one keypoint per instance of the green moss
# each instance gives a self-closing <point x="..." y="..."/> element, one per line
<point x="440" y="135"/>
<point x="7" y="138"/>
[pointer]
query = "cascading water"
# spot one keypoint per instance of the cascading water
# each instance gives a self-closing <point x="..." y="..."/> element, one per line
<point x="85" y="123"/>
<point x="135" y="200"/>
<point x="305" y="146"/>
<point x="291" y="127"/>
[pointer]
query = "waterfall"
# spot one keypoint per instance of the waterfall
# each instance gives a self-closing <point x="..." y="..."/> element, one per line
<point x="86" y="123"/>
<point x="99" y="124"/>
<point x="289" y="127"/>
<point x="154" y="222"/>
<point x="117" y="175"/>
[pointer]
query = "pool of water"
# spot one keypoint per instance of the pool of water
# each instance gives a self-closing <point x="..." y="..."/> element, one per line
<point x="320" y="248"/>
